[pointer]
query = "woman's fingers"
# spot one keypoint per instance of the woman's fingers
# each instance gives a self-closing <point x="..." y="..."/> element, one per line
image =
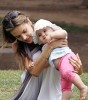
<point x="77" y="64"/>
<point x="64" y="42"/>
<point x="31" y="64"/>
<point x="74" y="63"/>
<point x="77" y="55"/>
<point x="76" y="68"/>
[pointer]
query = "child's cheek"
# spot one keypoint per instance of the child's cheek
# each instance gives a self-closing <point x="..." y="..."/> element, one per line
<point x="41" y="40"/>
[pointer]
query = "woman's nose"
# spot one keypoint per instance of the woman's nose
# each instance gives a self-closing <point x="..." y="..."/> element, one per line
<point x="24" y="37"/>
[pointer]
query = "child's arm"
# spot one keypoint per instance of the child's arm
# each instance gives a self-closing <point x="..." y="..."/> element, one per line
<point x="58" y="34"/>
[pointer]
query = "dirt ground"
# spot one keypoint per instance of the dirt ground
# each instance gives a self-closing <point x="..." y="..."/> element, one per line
<point x="79" y="16"/>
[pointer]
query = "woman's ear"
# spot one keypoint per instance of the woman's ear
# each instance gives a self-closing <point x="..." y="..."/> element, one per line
<point x="29" y="21"/>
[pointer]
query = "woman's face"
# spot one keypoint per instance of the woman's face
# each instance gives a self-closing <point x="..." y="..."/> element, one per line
<point x="23" y="32"/>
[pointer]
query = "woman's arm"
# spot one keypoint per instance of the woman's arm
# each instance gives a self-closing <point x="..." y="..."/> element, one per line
<point x="39" y="65"/>
<point x="26" y="63"/>
<point x="77" y="64"/>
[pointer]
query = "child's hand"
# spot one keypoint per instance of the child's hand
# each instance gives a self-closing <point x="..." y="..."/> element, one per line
<point x="48" y="38"/>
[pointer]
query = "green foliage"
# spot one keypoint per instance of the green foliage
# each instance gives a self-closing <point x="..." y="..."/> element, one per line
<point x="73" y="27"/>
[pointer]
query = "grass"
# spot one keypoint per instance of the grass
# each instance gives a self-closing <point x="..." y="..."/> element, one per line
<point x="10" y="82"/>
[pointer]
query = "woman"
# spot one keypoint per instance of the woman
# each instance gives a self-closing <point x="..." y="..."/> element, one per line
<point x="17" y="27"/>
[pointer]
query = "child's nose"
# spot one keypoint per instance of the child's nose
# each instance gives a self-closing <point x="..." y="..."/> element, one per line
<point x="43" y="34"/>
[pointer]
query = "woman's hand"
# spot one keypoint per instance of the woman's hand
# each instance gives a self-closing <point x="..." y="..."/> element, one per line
<point x="54" y="44"/>
<point x="29" y="64"/>
<point x="77" y="64"/>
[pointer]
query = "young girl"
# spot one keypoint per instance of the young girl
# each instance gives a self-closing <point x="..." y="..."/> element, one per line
<point x="46" y="32"/>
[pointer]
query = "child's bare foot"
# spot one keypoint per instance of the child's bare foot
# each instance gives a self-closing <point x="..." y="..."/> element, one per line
<point x="84" y="93"/>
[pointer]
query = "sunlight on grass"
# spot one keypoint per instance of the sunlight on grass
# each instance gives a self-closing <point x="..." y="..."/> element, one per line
<point x="10" y="82"/>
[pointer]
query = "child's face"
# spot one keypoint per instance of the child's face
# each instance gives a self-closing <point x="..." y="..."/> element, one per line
<point x="23" y="32"/>
<point x="44" y="34"/>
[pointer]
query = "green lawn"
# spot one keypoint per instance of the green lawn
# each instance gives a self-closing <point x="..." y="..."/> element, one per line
<point x="10" y="81"/>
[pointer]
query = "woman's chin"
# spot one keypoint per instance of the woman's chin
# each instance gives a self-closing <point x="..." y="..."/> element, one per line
<point x="28" y="41"/>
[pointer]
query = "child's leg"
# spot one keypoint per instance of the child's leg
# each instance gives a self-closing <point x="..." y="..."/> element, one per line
<point x="81" y="86"/>
<point x="66" y="89"/>
<point x="69" y="77"/>
<point x="66" y="95"/>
